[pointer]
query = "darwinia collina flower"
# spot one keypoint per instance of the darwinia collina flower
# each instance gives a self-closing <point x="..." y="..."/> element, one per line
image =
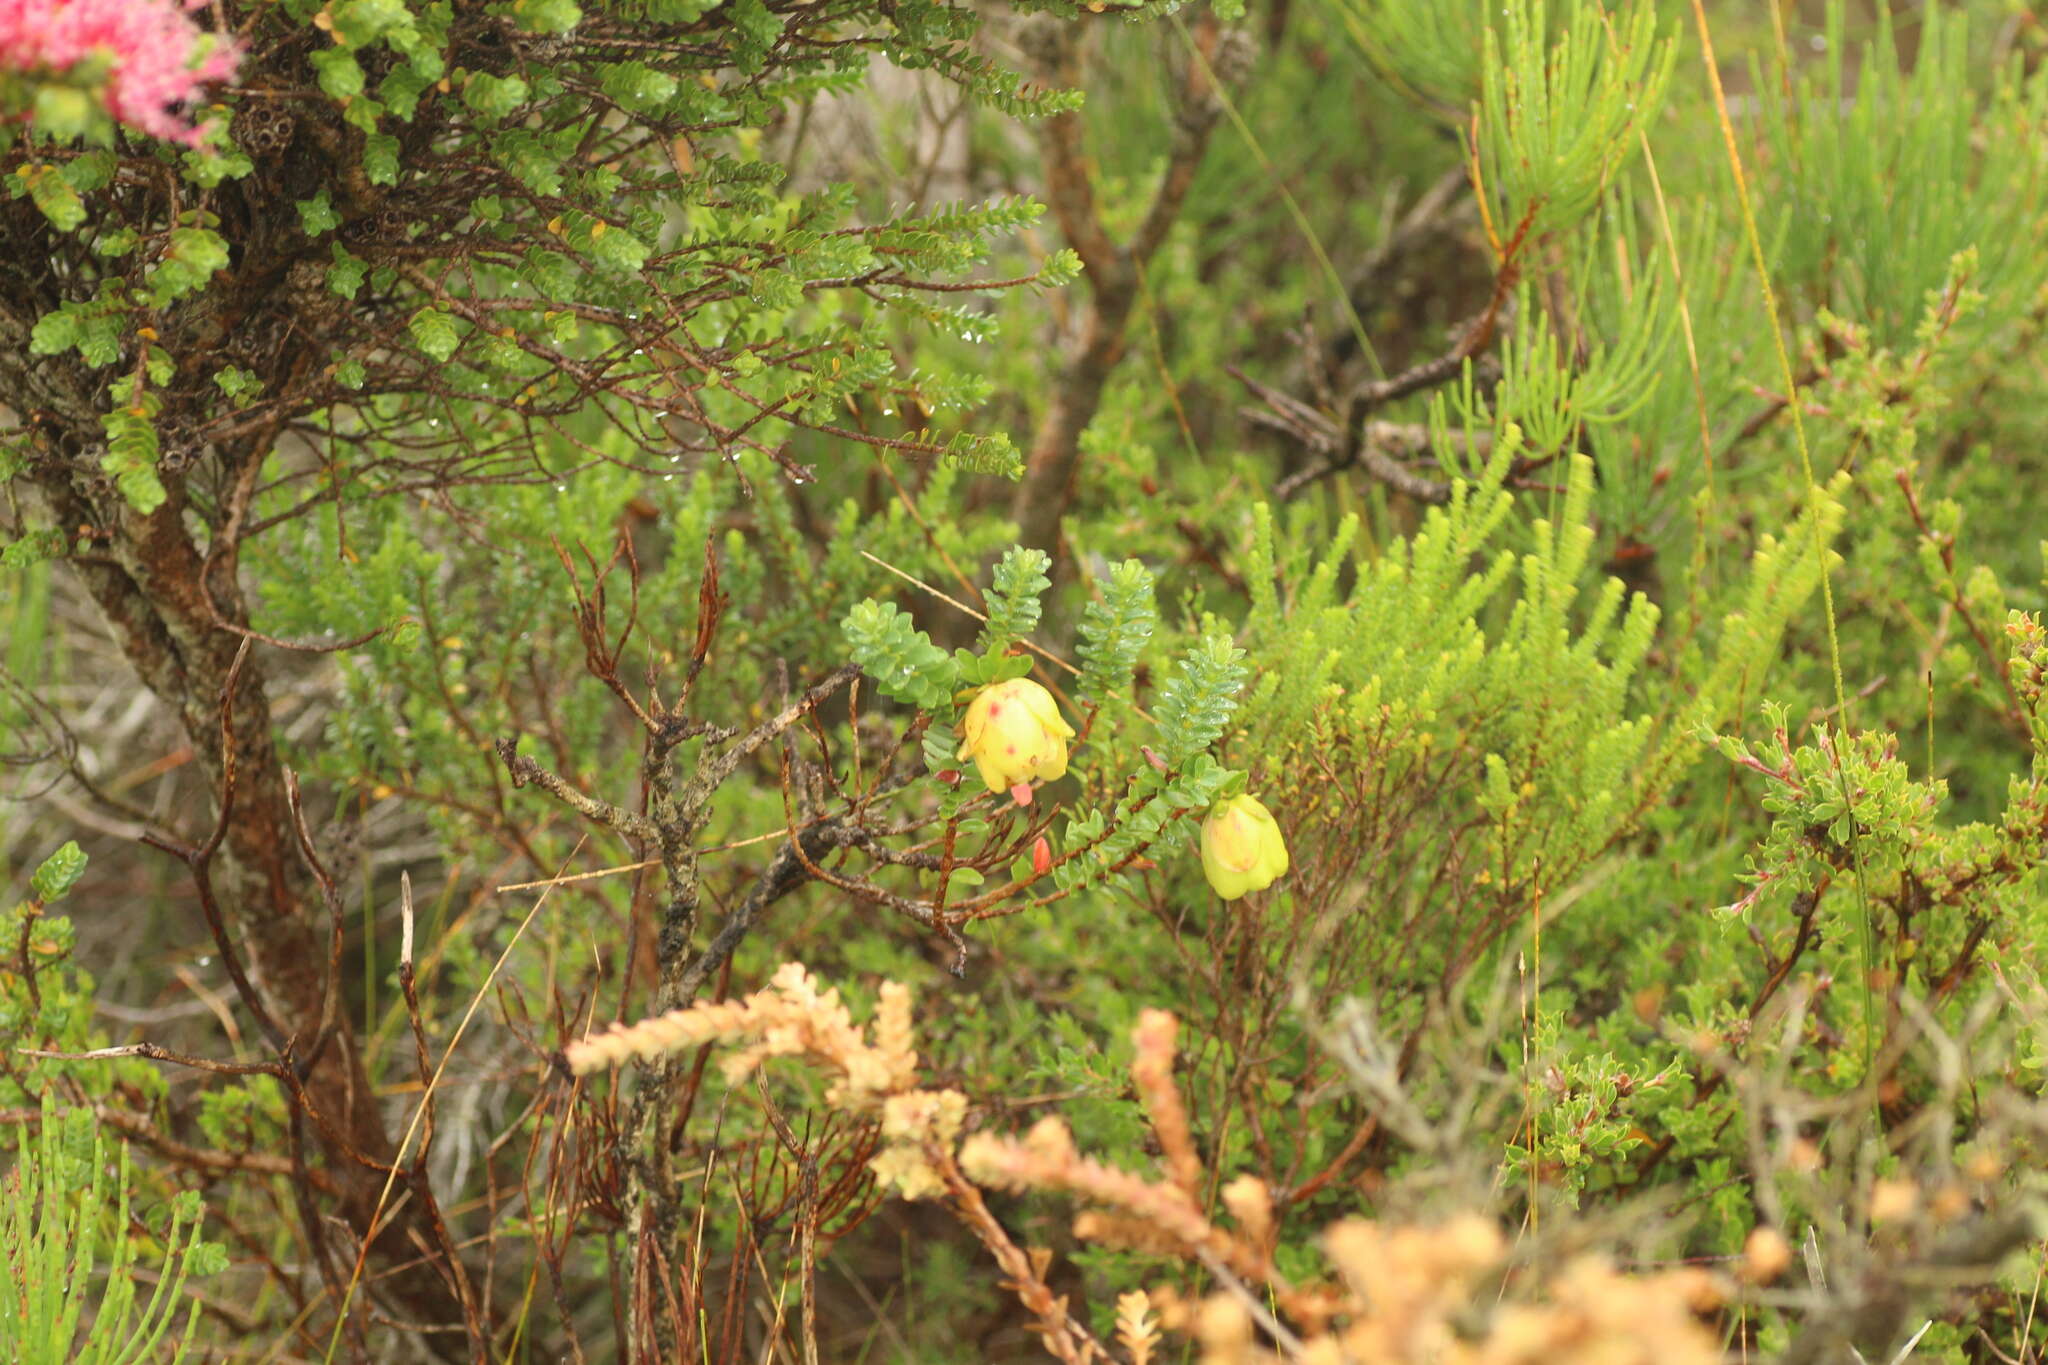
<point x="1241" y="847"/>
<point x="1015" y="736"/>
<point x="158" y="59"/>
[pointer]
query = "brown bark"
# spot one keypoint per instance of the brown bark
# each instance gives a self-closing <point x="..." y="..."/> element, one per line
<point x="1112" y="270"/>
<point x="1054" y="464"/>
<point x="166" y="605"/>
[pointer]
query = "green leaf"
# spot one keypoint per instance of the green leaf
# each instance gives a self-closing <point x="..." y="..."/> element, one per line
<point x="238" y="384"/>
<point x="191" y="259"/>
<point x="546" y="16"/>
<point x="137" y="480"/>
<point x="132" y="449"/>
<point x="345" y="276"/>
<point x="1198" y="700"/>
<point x="380" y="159"/>
<point x="901" y="659"/>
<point x="340" y="74"/>
<point x="99" y="339"/>
<point x="207" y="167"/>
<point x="618" y="249"/>
<point x="1013" y="603"/>
<point x="206" y="1258"/>
<point x="1114" y="632"/>
<point x="363" y="113"/>
<point x="357" y="22"/>
<point x="55" y="196"/>
<point x="317" y="215"/>
<point x="754" y="19"/>
<point x="38" y="546"/>
<point x="1557" y="121"/>
<point x="434" y="333"/>
<point x="90" y="171"/>
<point x="401" y="90"/>
<point x="637" y="86"/>
<point x="58" y="873"/>
<point x="54" y="333"/>
<point x="493" y="96"/>
<point x="64" y="113"/>
<point x="776" y="290"/>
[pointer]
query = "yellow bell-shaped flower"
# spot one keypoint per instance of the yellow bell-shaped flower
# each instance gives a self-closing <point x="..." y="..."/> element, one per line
<point x="1241" y="847"/>
<point x="1015" y="736"/>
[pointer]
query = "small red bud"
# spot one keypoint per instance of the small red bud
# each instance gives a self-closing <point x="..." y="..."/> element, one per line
<point x="1154" y="759"/>
<point x="1021" y="793"/>
<point x="949" y="776"/>
<point x="1041" y="856"/>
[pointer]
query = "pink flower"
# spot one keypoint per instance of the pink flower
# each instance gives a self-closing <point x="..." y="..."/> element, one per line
<point x="157" y="65"/>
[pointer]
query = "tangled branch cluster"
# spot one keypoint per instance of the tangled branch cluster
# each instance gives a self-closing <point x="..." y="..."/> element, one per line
<point x="792" y="1017"/>
<point x="1448" y="1293"/>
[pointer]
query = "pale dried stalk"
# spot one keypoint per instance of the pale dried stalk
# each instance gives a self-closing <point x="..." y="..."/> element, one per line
<point x="1064" y="1338"/>
<point x="1136" y="1330"/>
<point x="791" y="1017"/>
<point x="1152" y="1074"/>
<point x="1403" y="1295"/>
<point x="1046" y="1160"/>
<point x="1125" y="1233"/>
<point x="1251" y="1204"/>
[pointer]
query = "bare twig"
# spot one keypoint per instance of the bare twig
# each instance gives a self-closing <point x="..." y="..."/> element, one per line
<point x="524" y="770"/>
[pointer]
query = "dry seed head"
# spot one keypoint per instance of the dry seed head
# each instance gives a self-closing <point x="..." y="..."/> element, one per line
<point x="1949" y="1203"/>
<point x="1152" y="1075"/>
<point x="1984" y="1164"/>
<point x="892" y="1033"/>
<point x="790" y="1017"/>
<point x="1248" y="1201"/>
<point x="1176" y="1313"/>
<point x="913" y="1125"/>
<point x="924" y="1116"/>
<point x="1136" y="1328"/>
<point x="904" y="1169"/>
<point x="1766" y="1255"/>
<point x="1051" y="1140"/>
<point x="1891" y="1200"/>
<point x="1225" y="1330"/>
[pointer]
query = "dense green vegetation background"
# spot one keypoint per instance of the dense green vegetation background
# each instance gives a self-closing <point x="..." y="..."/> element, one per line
<point x="1585" y="485"/>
